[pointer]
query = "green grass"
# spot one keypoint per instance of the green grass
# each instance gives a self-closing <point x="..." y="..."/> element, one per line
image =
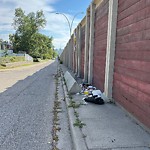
<point x="9" y="59"/>
<point x="24" y="65"/>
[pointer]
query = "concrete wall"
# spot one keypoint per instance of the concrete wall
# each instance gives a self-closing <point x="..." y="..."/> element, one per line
<point x="121" y="53"/>
<point x="82" y="50"/>
<point x="132" y="60"/>
<point x="100" y="44"/>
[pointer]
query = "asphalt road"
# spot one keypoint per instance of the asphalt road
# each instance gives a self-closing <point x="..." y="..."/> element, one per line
<point x="9" y="77"/>
<point x="26" y="107"/>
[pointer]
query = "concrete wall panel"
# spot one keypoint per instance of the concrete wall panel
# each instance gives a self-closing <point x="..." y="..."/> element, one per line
<point x="131" y="82"/>
<point x="100" y="44"/>
<point x="82" y="50"/>
<point x="131" y="85"/>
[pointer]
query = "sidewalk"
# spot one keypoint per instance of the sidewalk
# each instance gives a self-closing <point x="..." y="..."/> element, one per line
<point x="107" y="127"/>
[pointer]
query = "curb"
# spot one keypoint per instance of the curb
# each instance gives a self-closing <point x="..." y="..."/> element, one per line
<point x="76" y="133"/>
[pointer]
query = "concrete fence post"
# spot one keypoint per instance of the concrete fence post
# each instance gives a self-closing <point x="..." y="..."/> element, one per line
<point x="91" y="42"/>
<point x="73" y="61"/>
<point x="66" y="58"/>
<point x="68" y="54"/>
<point x="76" y="44"/>
<point x="79" y="50"/>
<point x="71" y="57"/>
<point x="72" y="47"/>
<point x="110" y="52"/>
<point x="86" y="57"/>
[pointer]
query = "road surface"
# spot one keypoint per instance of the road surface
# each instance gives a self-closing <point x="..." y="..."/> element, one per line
<point x="26" y="108"/>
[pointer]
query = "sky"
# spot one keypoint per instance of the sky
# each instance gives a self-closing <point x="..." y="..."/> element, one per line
<point x="57" y="25"/>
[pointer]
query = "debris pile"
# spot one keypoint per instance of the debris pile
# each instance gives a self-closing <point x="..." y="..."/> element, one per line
<point x="92" y="94"/>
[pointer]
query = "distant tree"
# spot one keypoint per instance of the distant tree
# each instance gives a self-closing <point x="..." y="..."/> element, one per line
<point x="15" y="41"/>
<point x="27" y="37"/>
<point x="41" y="46"/>
<point x="1" y="40"/>
<point x="55" y="54"/>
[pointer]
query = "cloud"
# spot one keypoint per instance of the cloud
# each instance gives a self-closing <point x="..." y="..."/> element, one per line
<point x="57" y="25"/>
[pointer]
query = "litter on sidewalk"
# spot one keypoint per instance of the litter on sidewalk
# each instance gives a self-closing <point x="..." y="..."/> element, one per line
<point x="87" y="88"/>
<point x="92" y="95"/>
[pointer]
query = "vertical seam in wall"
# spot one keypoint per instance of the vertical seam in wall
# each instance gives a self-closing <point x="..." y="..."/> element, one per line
<point x="110" y="53"/>
<point x="91" y="43"/>
<point x="86" y="47"/>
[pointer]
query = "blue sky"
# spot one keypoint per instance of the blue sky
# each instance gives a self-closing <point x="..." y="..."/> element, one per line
<point x="57" y="25"/>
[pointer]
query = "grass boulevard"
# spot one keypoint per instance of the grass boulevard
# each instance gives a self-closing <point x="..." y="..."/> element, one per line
<point x="3" y="68"/>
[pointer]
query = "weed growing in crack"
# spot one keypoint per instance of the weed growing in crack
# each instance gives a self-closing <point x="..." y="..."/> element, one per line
<point x="70" y="96"/>
<point x="73" y="104"/>
<point x="76" y="114"/>
<point x="79" y="123"/>
<point x="56" y="110"/>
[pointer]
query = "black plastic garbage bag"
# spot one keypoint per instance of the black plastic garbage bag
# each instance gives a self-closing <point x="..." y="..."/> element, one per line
<point x="96" y="100"/>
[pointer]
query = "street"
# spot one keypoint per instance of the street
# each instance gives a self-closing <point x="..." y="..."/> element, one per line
<point x="9" y="77"/>
<point x="26" y="108"/>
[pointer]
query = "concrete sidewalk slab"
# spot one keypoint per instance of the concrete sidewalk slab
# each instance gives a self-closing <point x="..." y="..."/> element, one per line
<point x="109" y="127"/>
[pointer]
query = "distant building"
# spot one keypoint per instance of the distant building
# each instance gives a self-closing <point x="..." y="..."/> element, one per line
<point x="5" y="45"/>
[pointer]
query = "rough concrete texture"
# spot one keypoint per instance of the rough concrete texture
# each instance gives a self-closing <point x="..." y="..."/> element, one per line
<point x="72" y="85"/>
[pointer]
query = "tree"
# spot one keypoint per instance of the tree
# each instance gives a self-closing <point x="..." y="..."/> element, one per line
<point x="23" y="24"/>
<point x="1" y="40"/>
<point x="41" y="46"/>
<point x="15" y="41"/>
<point x="27" y="27"/>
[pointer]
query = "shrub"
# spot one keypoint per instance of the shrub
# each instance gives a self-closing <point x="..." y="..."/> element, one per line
<point x="36" y="59"/>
